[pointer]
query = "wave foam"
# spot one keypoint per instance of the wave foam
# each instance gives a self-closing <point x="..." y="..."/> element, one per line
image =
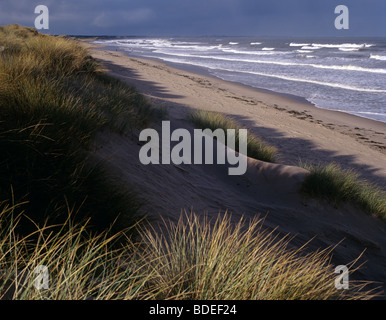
<point x="280" y="63"/>
<point x="282" y="77"/>
<point x="343" y="45"/>
<point x="293" y="44"/>
<point x="310" y="48"/>
<point x="259" y="53"/>
<point x="378" y="57"/>
<point x="326" y="84"/>
<point x="304" y="51"/>
<point x="349" y="49"/>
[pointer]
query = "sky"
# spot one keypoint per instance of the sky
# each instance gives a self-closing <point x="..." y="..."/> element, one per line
<point x="297" y="18"/>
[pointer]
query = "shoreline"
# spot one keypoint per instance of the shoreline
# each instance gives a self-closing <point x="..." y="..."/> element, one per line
<point x="204" y="72"/>
<point x="292" y="97"/>
<point x="290" y="125"/>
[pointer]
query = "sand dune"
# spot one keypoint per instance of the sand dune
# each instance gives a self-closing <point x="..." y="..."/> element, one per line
<point x="297" y="129"/>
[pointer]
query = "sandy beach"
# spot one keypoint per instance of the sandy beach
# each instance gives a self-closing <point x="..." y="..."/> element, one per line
<point x="298" y="130"/>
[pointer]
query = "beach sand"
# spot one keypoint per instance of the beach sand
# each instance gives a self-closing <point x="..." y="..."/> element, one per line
<point x="298" y="130"/>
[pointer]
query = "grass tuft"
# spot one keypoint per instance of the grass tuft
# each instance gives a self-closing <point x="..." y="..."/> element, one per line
<point x="53" y="101"/>
<point x="256" y="148"/>
<point x="193" y="259"/>
<point x="80" y="265"/>
<point x="336" y="184"/>
<point x="210" y="260"/>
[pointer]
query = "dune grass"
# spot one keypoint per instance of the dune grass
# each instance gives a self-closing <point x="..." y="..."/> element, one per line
<point x="209" y="260"/>
<point x="336" y="184"/>
<point x="80" y="265"/>
<point x="256" y="148"/>
<point x="191" y="259"/>
<point x="53" y="100"/>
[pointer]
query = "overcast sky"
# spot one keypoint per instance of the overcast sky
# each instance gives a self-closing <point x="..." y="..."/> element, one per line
<point x="200" y="17"/>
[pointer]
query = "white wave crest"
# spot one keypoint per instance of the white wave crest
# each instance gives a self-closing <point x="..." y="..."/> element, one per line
<point x="280" y="63"/>
<point x="259" y="53"/>
<point x="310" y="48"/>
<point x="293" y="44"/>
<point x="378" y="57"/>
<point x="283" y="77"/>
<point x="327" y="84"/>
<point x="343" y="45"/>
<point x="349" y="49"/>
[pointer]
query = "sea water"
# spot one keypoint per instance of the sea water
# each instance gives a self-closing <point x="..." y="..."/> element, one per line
<point x="348" y="75"/>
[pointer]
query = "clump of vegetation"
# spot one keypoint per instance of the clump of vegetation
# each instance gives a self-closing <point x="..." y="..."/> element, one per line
<point x="78" y="264"/>
<point x="256" y="148"/>
<point x="191" y="259"/>
<point x="53" y="100"/>
<point x="336" y="184"/>
<point x="209" y="260"/>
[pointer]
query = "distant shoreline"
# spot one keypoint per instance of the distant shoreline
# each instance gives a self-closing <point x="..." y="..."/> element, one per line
<point x="203" y="71"/>
<point x="353" y="103"/>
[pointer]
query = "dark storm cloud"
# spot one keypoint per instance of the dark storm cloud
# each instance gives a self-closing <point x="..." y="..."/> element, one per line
<point x="200" y="17"/>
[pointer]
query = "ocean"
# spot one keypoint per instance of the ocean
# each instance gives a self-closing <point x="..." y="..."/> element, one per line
<point x="348" y="75"/>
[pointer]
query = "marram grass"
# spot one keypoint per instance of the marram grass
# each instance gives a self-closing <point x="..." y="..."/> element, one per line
<point x="337" y="185"/>
<point x="80" y="265"/>
<point x="210" y="260"/>
<point x="191" y="259"/>
<point x="256" y="148"/>
<point x="53" y="101"/>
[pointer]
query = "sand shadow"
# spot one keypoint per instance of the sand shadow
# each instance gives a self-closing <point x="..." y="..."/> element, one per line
<point x="312" y="153"/>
